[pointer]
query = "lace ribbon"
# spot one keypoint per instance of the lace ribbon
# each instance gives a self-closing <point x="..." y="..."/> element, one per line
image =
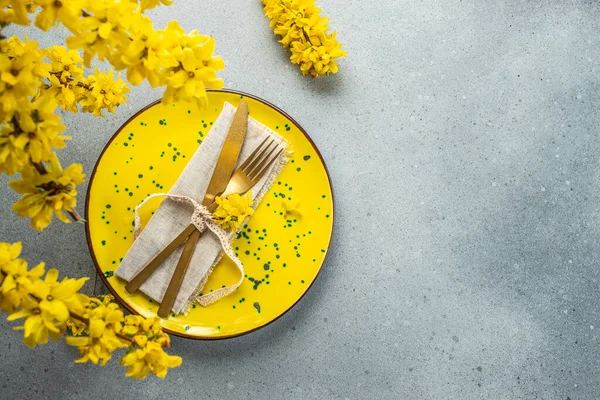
<point x="201" y="219"/>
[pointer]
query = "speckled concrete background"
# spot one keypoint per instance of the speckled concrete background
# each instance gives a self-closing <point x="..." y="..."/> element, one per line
<point x="463" y="142"/>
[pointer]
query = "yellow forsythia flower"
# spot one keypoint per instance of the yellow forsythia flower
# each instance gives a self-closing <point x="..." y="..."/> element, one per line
<point x="147" y="334"/>
<point x="16" y="281"/>
<point x="21" y="68"/>
<point x="117" y="31"/>
<point x="49" y="306"/>
<point x="141" y="329"/>
<point x="233" y="210"/>
<point x="66" y="64"/>
<point x="79" y="327"/>
<point x="8" y="15"/>
<point x="47" y="312"/>
<point x="150" y="358"/>
<point x="15" y="11"/>
<point x="104" y="29"/>
<point x="147" y="55"/>
<point x="306" y="33"/>
<point x="70" y="88"/>
<point x="103" y="92"/>
<point x="9" y="253"/>
<point x="291" y="207"/>
<point x="67" y="12"/>
<point x="104" y="324"/>
<point x="47" y="194"/>
<point x="30" y="136"/>
<point x="196" y="69"/>
<point x="183" y="62"/>
<point x="65" y="94"/>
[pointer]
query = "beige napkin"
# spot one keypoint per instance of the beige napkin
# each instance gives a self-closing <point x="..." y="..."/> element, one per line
<point x="172" y="217"/>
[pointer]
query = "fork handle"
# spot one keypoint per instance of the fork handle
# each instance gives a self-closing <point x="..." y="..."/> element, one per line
<point x="171" y="294"/>
<point x="141" y="277"/>
<point x="160" y="258"/>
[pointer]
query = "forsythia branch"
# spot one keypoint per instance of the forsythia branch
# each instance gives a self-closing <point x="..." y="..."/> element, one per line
<point x="306" y="33"/>
<point x="34" y="82"/>
<point x="49" y="306"/>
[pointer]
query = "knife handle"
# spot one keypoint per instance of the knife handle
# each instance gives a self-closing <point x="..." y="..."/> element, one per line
<point x="156" y="262"/>
<point x="171" y="294"/>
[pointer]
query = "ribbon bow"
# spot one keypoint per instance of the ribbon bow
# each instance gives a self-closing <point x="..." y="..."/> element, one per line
<point x="201" y="219"/>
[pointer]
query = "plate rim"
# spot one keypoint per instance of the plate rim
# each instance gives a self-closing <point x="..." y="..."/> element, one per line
<point x="131" y="309"/>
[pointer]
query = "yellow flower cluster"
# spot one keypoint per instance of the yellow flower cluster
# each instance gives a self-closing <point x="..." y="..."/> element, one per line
<point x="44" y="304"/>
<point x="70" y="88"/>
<point x="48" y="306"/>
<point x="306" y="33"/>
<point x="30" y="129"/>
<point x="47" y="192"/>
<point x="118" y="31"/>
<point x="233" y="210"/>
<point x="102" y="323"/>
<point x="103" y="92"/>
<point x="30" y="136"/>
<point x="34" y="81"/>
<point x="21" y="71"/>
<point x="149" y="356"/>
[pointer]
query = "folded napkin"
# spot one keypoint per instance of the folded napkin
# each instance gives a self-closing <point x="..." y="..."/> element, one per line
<point x="173" y="216"/>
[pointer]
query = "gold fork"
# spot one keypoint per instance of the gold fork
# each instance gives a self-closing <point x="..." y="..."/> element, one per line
<point x="242" y="180"/>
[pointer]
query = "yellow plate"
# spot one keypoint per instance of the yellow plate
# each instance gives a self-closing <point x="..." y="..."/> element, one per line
<point x="282" y="254"/>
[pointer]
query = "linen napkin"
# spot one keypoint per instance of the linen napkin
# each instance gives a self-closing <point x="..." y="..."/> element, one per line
<point x="172" y="217"/>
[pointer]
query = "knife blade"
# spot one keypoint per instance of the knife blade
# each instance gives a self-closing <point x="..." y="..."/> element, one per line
<point x="218" y="182"/>
<point x="229" y="154"/>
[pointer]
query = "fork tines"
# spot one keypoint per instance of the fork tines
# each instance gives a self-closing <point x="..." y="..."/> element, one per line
<point x="257" y="164"/>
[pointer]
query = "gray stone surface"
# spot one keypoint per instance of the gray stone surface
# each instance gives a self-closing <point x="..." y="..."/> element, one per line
<point x="462" y="140"/>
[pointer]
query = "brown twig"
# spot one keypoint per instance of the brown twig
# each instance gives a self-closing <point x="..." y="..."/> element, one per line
<point x="41" y="169"/>
<point x="87" y="322"/>
<point x="15" y="122"/>
<point x="75" y="215"/>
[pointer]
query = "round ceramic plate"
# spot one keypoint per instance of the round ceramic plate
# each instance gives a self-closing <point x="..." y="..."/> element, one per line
<point x="282" y="252"/>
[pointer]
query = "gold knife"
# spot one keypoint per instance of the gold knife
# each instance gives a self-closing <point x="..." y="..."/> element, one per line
<point x="222" y="173"/>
